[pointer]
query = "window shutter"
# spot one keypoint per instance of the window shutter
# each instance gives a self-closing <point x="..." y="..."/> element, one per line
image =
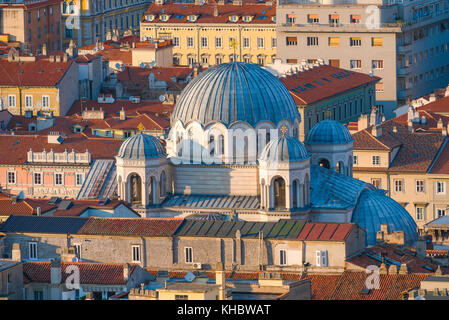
<point x="313" y="16"/>
<point x="377" y="42"/>
<point x="334" y="41"/>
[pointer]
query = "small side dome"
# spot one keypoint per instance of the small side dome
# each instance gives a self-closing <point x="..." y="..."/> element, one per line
<point x="375" y="209"/>
<point x="328" y="132"/>
<point x="141" y="146"/>
<point x="284" y="149"/>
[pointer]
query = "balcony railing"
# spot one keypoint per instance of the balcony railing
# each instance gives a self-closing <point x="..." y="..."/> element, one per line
<point x="59" y="157"/>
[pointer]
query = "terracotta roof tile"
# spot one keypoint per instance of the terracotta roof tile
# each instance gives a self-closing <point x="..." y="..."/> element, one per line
<point x="319" y="231"/>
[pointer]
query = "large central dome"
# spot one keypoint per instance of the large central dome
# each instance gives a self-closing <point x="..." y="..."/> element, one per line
<point x="233" y="92"/>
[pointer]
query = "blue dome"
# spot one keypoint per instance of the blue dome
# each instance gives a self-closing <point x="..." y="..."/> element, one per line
<point x="328" y="132"/>
<point x="375" y="208"/>
<point x="284" y="149"/>
<point x="235" y="92"/>
<point x="141" y="146"/>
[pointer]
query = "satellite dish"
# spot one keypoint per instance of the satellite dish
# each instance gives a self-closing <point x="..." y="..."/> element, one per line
<point x="161" y="98"/>
<point x="142" y="65"/>
<point x="117" y="65"/>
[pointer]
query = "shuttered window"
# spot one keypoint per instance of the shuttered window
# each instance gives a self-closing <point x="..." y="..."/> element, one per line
<point x="377" y="42"/>
<point x="334" y="41"/>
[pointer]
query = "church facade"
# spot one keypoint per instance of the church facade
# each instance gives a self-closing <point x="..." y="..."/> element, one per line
<point x="234" y="153"/>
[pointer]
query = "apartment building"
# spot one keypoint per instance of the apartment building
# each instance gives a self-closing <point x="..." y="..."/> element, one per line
<point x="404" y="43"/>
<point x="407" y="157"/>
<point x="32" y="23"/>
<point x="212" y="33"/>
<point x="86" y="21"/>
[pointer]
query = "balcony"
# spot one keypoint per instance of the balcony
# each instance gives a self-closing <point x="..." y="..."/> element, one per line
<point x="336" y="27"/>
<point x="404" y="48"/>
<point x="403" y="71"/>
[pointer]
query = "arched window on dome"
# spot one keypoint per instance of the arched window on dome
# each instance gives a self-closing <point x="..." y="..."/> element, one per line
<point x="221" y="144"/>
<point x="162" y="184"/>
<point x="151" y="191"/>
<point x="324" y="163"/>
<point x="340" y="167"/>
<point x="212" y="145"/>
<point x="135" y="189"/>
<point x="295" y="194"/>
<point x="306" y="190"/>
<point x="267" y="137"/>
<point x="245" y="150"/>
<point x="279" y="193"/>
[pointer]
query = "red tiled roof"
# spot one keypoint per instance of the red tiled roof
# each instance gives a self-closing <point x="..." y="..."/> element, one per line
<point x="323" y="89"/>
<point x="79" y="206"/>
<point x="161" y="73"/>
<point x="19" y="145"/>
<point x="414" y="264"/>
<point x="90" y="273"/>
<point x="437" y="253"/>
<point x="438" y="106"/>
<point x="262" y="13"/>
<point x="41" y="72"/>
<point x="150" y="227"/>
<point x="22" y="206"/>
<point x="30" y="4"/>
<point x="318" y="231"/>
<point x="116" y="54"/>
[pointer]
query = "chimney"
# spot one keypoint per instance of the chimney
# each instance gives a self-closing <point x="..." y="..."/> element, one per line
<point x="403" y="269"/>
<point x="383" y="269"/>
<point x="16" y="253"/>
<point x="395" y="129"/>
<point x="393" y="269"/>
<point x="51" y="58"/>
<point x="44" y="49"/>
<point x="376" y="131"/>
<point x="55" y="272"/>
<point x="362" y="123"/>
<point x="122" y="114"/>
<point x="421" y="248"/>
<point x="126" y="271"/>
<point x="64" y="57"/>
<point x="38" y="211"/>
<point x="440" y="124"/>
<point x="410" y="125"/>
<point x="215" y="10"/>
<point x="220" y="280"/>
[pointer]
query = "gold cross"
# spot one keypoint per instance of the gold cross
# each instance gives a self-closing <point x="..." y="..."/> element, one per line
<point x="284" y="129"/>
<point x="140" y="127"/>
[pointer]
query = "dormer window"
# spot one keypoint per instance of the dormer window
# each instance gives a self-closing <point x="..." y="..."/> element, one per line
<point x="164" y="17"/>
<point x="150" y="17"/>
<point x="191" y="18"/>
<point x="233" y="18"/>
<point x="247" y="18"/>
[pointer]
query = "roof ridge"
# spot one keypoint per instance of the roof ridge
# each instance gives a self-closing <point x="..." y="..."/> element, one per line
<point x="376" y="139"/>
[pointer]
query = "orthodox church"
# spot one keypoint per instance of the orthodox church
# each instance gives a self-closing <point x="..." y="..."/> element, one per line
<point x="202" y="173"/>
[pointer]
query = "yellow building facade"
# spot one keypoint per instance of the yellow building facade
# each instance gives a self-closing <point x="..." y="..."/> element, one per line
<point x="214" y="34"/>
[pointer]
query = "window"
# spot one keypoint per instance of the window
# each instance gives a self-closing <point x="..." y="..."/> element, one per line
<point x="398" y="186"/>
<point x="282" y="257"/>
<point x="79" y="179"/>
<point x="136" y="253"/>
<point x="273" y="42"/>
<point x="419" y="213"/>
<point x="355" y="42"/>
<point x="218" y="60"/>
<point x="377" y="42"/>
<point x="291" y="18"/>
<point x="441" y="213"/>
<point x="334" y="20"/>
<point x="37" y="179"/>
<point x="312" y="41"/>
<point x="356" y="64"/>
<point x="441" y="187"/>
<point x="218" y="42"/>
<point x="334" y="41"/>
<point x="321" y="258"/>
<point x="245" y="42"/>
<point x="12" y="100"/>
<point x="355" y="18"/>
<point x="204" y="42"/>
<point x="176" y="41"/>
<point x="38" y="15"/>
<point x="261" y="61"/>
<point x="334" y="63"/>
<point x="204" y="59"/>
<point x="58" y="179"/>
<point x="354" y="158"/>
<point x="260" y="42"/>
<point x="77" y="248"/>
<point x="190" y="43"/>
<point x="291" y="41"/>
<point x="376" y="183"/>
<point x="232" y="43"/>
<point x="38" y="294"/>
<point x="313" y="18"/>
<point x="379" y="87"/>
<point x="32" y="250"/>
<point x="419" y="185"/>
<point x="11" y="177"/>
<point x="188" y="255"/>
<point x="28" y="101"/>
<point x="181" y="297"/>
<point x="46" y="101"/>
<point x="377" y="64"/>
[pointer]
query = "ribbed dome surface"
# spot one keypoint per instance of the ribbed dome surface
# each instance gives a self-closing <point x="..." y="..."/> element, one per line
<point x="329" y="132"/>
<point x="375" y="208"/>
<point x="284" y="149"/>
<point x="235" y="91"/>
<point x="141" y="146"/>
